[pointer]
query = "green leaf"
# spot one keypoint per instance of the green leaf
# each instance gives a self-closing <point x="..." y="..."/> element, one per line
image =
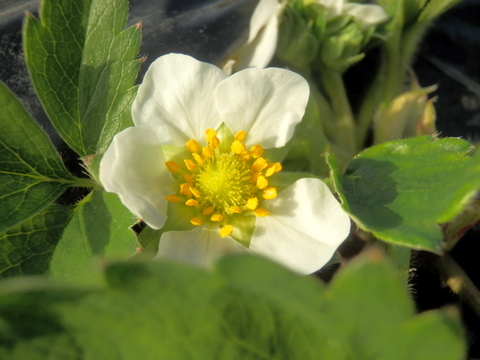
<point x="170" y="311"/>
<point x="381" y="306"/>
<point x="99" y="229"/>
<point x="374" y="316"/>
<point x="247" y="308"/>
<point x="26" y="249"/>
<point x="82" y="66"/>
<point x="448" y="342"/>
<point x="46" y="347"/>
<point x="32" y="174"/>
<point x="29" y="328"/>
<point x="401" y="190"/>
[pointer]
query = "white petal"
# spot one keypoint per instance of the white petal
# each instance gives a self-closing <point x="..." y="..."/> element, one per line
<point x="334" y="7"/>
<point x="133" y="167"/>
<point x="267" y="104"/>
<point x="177" y="92"/>
<point x="200" y="247"/>
<point x="305" y="226"/>
<point x="265" y="11"/>
<point x="260" y="51"/>
<point x="366" y="13"/>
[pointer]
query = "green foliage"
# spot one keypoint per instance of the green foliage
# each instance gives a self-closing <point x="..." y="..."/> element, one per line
<point x="247" y="308"/>
<point x="99" y="229"/>
<point x="27" y="248"/>
<point x="82" y="66"/>
<point x="401" y="190"/>
<point x="32" y="174"/>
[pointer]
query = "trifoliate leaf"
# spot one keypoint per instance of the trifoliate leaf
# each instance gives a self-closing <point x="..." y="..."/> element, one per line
<point x="99" y="229"/>
<point x="27" y="248"/>
<point x="81" y="62"/>
<point x="401" y="190"/>
<point x="246" y="308"/>
<point x="32" y="174"/>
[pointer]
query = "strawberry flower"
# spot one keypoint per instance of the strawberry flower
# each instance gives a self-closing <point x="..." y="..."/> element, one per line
<point x="200" y="164"/>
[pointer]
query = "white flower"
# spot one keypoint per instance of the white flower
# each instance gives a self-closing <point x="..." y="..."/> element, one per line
<point x="196" y="164"/>
<point x="260" y="46"/>
<point x="367" y="14"/>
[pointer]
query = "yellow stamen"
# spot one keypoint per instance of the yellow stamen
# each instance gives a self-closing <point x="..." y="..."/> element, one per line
<point x="190" y="164"/>
<point x="189" y="178"/>
<point x="196" y="221"/>
<point x="256" y="151"/>
<point x="252" y="203"/>
<point x="273" y="168"/>
<point x="216" y="217"/>
<point x="235" y="209"/>
<point x="186" y="189"/>
<point x="173" y="198"/>
<point x="237" y="147"/>
<point x="219" y="184"/>
<point x="262" y="182"/>
<point x="198" y="158"/>
<point x="191" y="202"/>
<point x="193" y="146"/>
<point x="195" y="192"/>
<point x="245" y="156"/>
<point x="255" y="176"/>
<point x="212" y="139"/>
<point x="261" y="212"/>
<point x="172" y="166"/>
<point x="207" y="152"/>
<point x="226" y="230"/>
<point x="269" y="193"/>
<point x="208" y="210"/>
<point x="259" y="164"/>
<point x="240" y="136"/>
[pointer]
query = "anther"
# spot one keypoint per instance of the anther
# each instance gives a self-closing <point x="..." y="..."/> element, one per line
<point x="259" y="164"/>
<point x="237" y="147"/>
<point x="190" y="164"/>
<point x="252" y="203"/>
<point x="172" y="166"/>
<point x="216" y="217"/>
<point x="193" y="146"/>
<point x="226" y="230"/>
<point x="191" y="202"/>
<point x="240" y="136"/>
<point x="186" y="189"/>
<point x="269" y="193"/>
<point x="173" y="198"/>
<point x="208" y="210"/>
<point x="262" y="182"/>
<point x="256" y="151"/>
<point x="196" y="221"/>
<point x="273" y="168"/>
<point x="261" y="212"/>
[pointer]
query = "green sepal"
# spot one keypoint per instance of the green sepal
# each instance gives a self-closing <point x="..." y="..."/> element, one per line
<point x="178" y="219"/>
<point x="312" y="137"/>
<point x="297" y="46"/>
<point x="243" y="228"/>
<point x="341" y="50"/>
<point x="284" y="179"/>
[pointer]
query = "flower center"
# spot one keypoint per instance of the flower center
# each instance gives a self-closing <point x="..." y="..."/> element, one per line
<point x="225" y="182"/>
<point x="221" y="185"/>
